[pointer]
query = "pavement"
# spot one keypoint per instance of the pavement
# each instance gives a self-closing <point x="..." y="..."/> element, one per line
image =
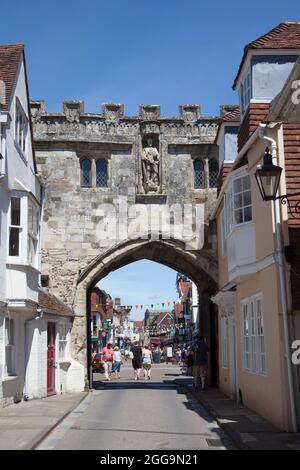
<point x="137" y="415"/>
<point x="23" y="425"/>
<point x="247" y="429"/>
<point x="160" y="414"/>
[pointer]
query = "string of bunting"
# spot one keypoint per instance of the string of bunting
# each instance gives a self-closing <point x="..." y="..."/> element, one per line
<point x="169" y="303"/>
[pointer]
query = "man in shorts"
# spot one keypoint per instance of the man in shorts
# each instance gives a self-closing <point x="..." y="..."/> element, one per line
<point x="200" y="363"/>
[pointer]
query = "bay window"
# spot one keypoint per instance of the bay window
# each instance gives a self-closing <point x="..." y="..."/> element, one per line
<point x="238" y="204"/>
<point x="21" y="127"/>
<point x="33" y="230"/>
<point x="15" y="227"/>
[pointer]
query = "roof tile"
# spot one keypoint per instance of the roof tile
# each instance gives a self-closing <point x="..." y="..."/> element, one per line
<point x="10" y="55"/>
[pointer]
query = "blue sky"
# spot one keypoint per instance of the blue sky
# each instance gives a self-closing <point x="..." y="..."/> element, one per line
<point x="143" y="282"/>
<point x="166" y="52"/>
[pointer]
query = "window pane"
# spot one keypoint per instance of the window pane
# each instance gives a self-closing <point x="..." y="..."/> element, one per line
<point x="238" y="201"/>
<point x="248" y="214"/>
<point x="198" y="174"/>
<point x="237" y="185"/>
<point x="238" y="216"/>
<point x="15" y="211"/>
<point x="213" y="173"/>
<point x="86" y="173"/>
<point x="247" y="198"/>
<point x="14" y="241"/>
<point x="101" y="173"/>
<point x="246" y="182"/>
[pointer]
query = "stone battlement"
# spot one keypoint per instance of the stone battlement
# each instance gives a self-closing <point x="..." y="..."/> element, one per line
<point x="74" y="109"/>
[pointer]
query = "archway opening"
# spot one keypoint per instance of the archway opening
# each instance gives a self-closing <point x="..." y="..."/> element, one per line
<point x="198" y="267"/>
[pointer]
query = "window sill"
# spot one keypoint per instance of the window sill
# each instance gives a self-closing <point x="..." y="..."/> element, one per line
<point x="64" y="361"/>
<point x="8" y="378"/>
<point x="21" y="264"/>
<point x="239" y="227"/>
<point x="259" y="374"/>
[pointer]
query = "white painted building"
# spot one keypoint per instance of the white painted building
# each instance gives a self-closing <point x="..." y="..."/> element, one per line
<point x="24" y="338"/>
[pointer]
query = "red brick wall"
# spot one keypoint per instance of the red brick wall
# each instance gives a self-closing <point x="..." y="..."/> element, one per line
<point x="291" y="133"/>
<point x="255" y="114"/>
<point x="224" y="170"/>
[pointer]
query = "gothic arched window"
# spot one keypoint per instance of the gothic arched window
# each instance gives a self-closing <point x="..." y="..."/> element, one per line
<point x="86" y="179"/>
<point x="101" y="173"/>
<point x="199" y="178"/>
<point x="213" y="173"/>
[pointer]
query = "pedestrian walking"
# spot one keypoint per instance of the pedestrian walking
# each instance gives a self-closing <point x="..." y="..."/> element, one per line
<point x="169" y="354"/>
<point x="178" y="356"/>
<point x="200" y="363"/>
<point x="189" y="363"/>
<point x="147" y="361"/>
<point x="137" y="357"/>
<point x="117" y="361"/>
<point x="126" y="354"/>
<point x="107" y="357"/>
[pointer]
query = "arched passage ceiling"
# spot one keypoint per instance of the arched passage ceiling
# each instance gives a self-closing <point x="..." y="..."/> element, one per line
<point x="200" y="266"/>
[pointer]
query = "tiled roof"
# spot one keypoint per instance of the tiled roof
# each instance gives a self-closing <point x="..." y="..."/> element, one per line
<point x="10" y="56"/>
<point x="138" y="323"/>
<point x="51" y="304"/>
<point x="284" y="36"/>
<point x="233" y="116"/>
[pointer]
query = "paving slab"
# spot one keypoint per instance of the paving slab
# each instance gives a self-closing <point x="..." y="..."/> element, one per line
<point x="23" y="425"/>
<point x="247" y="429"/>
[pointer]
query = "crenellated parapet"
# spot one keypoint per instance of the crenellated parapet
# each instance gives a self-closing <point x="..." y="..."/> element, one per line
<point x="74" y="124"/>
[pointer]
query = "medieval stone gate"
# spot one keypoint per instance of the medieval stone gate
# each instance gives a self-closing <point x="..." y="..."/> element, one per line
<point x="101" y="171"/>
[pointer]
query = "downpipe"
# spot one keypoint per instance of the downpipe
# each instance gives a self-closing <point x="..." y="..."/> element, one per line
<point x="282" y="284"/>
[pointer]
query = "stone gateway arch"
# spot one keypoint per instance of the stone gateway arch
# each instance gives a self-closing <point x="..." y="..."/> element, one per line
<point x="118" y="189"/>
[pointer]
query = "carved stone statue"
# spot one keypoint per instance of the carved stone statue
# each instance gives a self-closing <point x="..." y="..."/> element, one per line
<point x="150" y="168"/>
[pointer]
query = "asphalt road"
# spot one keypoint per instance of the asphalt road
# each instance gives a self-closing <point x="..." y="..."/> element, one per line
<point x="124" y="414"/>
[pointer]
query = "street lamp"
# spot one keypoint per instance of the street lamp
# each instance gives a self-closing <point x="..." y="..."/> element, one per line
<point x="268" y="179"/>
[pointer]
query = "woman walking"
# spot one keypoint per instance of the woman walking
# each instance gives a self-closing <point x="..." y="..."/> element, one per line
<point x="117" y="362"/>
<point x="147" y="361"/>
<point x="136" y="352"/>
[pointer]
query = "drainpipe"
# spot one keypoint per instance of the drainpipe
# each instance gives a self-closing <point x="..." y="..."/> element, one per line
<point x="282" y="283"/>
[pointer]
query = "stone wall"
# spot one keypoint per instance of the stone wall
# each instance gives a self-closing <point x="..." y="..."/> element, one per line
<point x="73" y="220"/>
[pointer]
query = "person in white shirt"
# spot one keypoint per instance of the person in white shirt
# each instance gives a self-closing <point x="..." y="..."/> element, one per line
<point x="117" y="360"/>
<point x="147" y="361"/>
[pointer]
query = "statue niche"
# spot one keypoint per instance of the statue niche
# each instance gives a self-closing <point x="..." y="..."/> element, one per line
<point x="150" y="167"/>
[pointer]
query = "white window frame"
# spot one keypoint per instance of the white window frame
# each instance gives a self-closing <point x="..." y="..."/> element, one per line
<point x="229" y="204"/>
<point x="10" y="344"/>
<point x="33" y="232"/>
<point x="246" y="91"/>
<point x="21" y="128"/>
<point x="17" y="259"/>
<point x="253" y="335"/>
<point x="223" y="234"/>
<point x="63" y="354"/>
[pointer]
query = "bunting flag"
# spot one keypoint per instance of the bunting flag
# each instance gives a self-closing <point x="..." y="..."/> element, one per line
<point x="159" y="304"/>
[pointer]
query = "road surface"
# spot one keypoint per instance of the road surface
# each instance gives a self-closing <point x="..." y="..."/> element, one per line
<point x="149" y="415"/>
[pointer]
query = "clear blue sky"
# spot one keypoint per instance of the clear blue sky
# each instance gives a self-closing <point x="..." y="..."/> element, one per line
<point x="137" y="51"/>
<point x="143" y="282"/>
<point x="166" y="52"/>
